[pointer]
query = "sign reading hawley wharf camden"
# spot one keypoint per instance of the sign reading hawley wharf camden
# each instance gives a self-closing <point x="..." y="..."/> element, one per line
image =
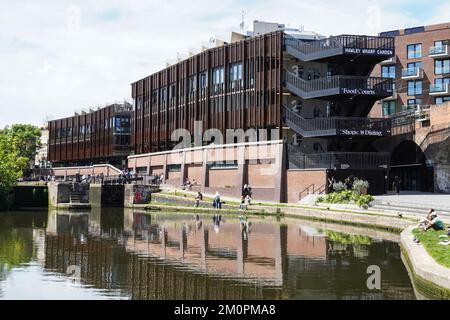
<point x="369" y="51"/>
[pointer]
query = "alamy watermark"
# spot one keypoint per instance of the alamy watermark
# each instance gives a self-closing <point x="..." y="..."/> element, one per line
<point x="374" y="280"/>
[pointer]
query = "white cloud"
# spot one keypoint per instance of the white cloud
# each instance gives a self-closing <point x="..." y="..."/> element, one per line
<point x="57" y="57"/>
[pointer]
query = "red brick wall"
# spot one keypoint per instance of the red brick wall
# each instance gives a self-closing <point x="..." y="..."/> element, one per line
<point x="298" y="180"/>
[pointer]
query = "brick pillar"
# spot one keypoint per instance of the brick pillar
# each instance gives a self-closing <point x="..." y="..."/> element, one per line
<point x="280" y="189"/>
<point x="205" y="180"/>
<point x="183" y="167"/>
<point x="165" y="169"/>
<point x="242" y="170"/>
<point x="149" y="170"/>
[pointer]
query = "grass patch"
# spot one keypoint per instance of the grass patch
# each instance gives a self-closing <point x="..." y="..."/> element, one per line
<point x="430" y="241"/>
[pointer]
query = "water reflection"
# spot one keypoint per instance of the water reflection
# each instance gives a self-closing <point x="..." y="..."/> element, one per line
<point x="129" y="254"/>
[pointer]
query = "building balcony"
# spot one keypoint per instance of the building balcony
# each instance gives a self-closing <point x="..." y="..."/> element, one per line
<point x="355" y="45"/>
<point x="412" y="73"/>
<point x="391" y="60"/>
<point x="340" y="160"/>
<point x="393" y="96"/>
<point x="337" y="126"/>
<point x="439" y="52"/>
<point x="338" y="85"/>
<point x="439" y="89"/>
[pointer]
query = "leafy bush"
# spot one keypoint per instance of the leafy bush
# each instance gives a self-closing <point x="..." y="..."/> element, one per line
<point x="360" y="186"/>
<point x="364" y="200"/>
<point x="339" y="186"/>
<point x="346" y="196"/>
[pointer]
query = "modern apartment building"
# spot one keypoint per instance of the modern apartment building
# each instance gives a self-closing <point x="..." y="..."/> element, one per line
<point x="421" y="71"/>
<point x="316" y="91"/>
<point x="420" y="68"/>
<point x="97" y="136"/>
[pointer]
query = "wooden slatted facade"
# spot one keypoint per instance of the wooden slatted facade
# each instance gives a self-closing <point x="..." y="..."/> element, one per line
<point x="185" y="92"/>
<point x="91" y="137"/>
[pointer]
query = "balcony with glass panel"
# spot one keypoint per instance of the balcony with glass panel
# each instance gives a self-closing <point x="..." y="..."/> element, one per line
<point x="391" y="60"/>
<point x="412" y="73"/>
<point x="441" y="51"/>
<point x="440" y="89"/>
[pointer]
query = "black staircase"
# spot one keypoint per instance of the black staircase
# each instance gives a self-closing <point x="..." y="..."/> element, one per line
<point x="338" y="85"/>
<point x="339" y="45"/>
<point x="337" y="126"/>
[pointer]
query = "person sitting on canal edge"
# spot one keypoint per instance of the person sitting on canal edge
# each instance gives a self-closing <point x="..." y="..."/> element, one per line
<point x="435" y="223"/>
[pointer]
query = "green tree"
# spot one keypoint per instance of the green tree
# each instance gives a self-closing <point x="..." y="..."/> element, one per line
<point x="18" y="145"/>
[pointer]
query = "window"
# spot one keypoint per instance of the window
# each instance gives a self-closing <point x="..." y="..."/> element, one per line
<point x="414" y="102"/>
<point x="122" y="124"/>
<point x="141" y="170"/>
<point x="154" y="97"/>
<point x="413" y="66"/>
<point x="388" y="71"/>
<point x="414" y="87"/>
<point x="217" y="78"/>
<point x="163" y="95"/>
<point x="441" y="83"/>
<point x="235" y="73"/>
<point x="441" y="100"/>
<point x="223" y="165"/>
<point x="174" y="167"/>
<point x="388" y="108"/>
<point x="203" y="80"/>
<point x="442" y="66"/>
<point x="192" y="85"/>
<point x="414" y="51"/>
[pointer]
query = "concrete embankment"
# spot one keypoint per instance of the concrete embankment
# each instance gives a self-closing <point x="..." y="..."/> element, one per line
<point x="185" y="203"/>
<point x="430" y="279"/>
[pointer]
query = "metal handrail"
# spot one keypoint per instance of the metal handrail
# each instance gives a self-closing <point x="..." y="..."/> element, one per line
<point x="338" y="81"/>
<point x="319" y="190"/>
<point x="341" y="41"/>
<point x="330" y="123"/>
<point x="332" y="160"/>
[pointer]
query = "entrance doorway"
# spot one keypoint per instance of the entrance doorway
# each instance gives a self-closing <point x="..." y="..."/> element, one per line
<point x="408" y="163"/>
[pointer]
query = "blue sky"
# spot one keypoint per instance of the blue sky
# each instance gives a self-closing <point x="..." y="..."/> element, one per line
<point x="57" y="57"/>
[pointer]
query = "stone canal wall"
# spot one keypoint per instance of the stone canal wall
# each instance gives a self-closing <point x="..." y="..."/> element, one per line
<point x="138" y="194"/>
<point x="30" y="197"/>
<point x="106" y="195"/>
<point x="61" y="194"/>
<point x="429" y="277"/>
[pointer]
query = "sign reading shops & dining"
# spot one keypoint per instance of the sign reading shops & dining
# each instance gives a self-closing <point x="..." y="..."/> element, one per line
<point x="362" y="132"/>
<point x="375" y="52"/>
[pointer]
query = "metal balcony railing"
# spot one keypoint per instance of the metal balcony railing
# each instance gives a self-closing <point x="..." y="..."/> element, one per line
<point x="352" y="126"/>
<point x="411" y="72"/>
<point x="339" y="85"/>
<point x="438" y="50"/>
<point x="442" y="88"/>
<point x="410" y="114"/>
<point x="341" y="41"/>
<point x="340" y="160"/>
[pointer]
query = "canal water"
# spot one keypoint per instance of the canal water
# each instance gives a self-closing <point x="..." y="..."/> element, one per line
<point x="124" y="254"/>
